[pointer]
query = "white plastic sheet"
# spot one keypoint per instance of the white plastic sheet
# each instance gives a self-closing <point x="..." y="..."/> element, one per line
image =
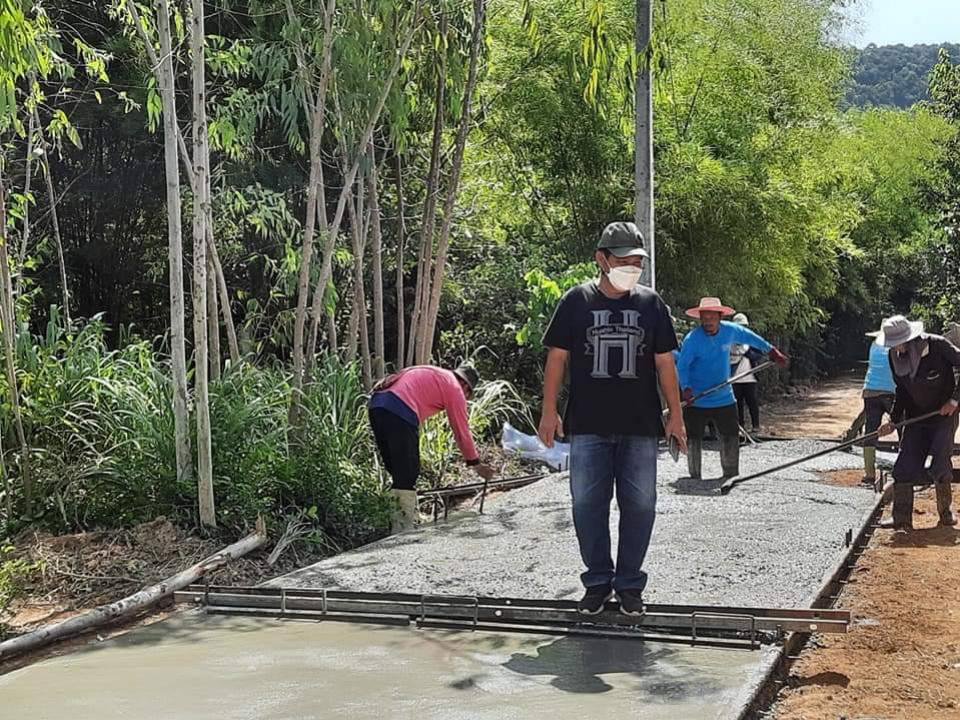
<point x="529" y="447"/>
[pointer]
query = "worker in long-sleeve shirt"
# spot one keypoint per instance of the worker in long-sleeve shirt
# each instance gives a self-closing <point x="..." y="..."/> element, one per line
<point x="399" y="405"/>
<point x="923" y="368"/>
<point x="705" y="363"/>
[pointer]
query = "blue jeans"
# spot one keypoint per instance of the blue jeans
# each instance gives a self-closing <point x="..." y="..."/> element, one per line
<point x="598" y="463"/>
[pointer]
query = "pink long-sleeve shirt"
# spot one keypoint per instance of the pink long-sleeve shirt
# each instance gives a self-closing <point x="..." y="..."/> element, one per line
<point x="428" y="390"/>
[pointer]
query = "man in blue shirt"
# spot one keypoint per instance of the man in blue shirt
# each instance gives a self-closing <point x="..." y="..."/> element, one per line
<point x="879" y="392"/>
<point x="705" y="363"/>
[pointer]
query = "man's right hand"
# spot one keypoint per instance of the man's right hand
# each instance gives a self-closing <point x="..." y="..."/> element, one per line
<point x="687" y="394"/>
<point x="551" y="426"/>
<point x="886" y="429"/>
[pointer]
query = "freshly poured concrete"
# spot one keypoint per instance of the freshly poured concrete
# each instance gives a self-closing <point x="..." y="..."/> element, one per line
<point x="768" y="543"/>
<point x="197" y="667"/>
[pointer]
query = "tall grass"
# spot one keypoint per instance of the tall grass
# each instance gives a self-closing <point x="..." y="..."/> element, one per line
<point x="100" y="427"/>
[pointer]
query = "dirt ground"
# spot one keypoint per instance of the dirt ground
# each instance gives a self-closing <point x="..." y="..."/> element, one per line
<point x="822" y="411"/>
<point x="80" y="571"/>
<point x="902" y="658"/>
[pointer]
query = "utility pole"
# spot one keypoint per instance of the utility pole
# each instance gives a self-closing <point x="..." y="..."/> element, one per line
<point x="643" y="138"/>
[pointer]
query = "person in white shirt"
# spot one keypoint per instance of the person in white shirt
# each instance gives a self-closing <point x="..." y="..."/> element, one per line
<point x="742" y="359"/>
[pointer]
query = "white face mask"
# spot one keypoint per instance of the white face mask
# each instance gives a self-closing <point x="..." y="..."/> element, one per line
<point x="624" y="278"/>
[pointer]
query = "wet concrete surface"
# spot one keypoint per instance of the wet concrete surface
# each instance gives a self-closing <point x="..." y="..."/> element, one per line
<point x="767" y="543"/>
<point x="198" y="667"/>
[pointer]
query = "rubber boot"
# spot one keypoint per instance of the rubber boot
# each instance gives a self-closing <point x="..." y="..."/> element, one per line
<point x="902" y="506"/>
<point x="730" y="455"/>
<point x="694" y="457"/>
<point x="869" y="465"/>
<point x="944" y="498"/>
<point x="405" y="513"/>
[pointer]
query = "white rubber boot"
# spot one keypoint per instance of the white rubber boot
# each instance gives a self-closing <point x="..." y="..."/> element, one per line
<point x="406" y="514"/>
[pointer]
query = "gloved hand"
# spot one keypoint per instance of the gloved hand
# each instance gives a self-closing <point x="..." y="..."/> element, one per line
<point x="779" y="358"/>
<point x="687" y="394"/>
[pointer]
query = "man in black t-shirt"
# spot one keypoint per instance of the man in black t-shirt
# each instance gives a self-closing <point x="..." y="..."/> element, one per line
<point x="617" y="339"/>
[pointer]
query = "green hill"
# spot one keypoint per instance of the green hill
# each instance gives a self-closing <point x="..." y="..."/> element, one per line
<point x="894" y="75"/>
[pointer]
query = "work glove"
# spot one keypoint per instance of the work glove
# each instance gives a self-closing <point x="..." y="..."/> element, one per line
<point x="687" y="394"/>
<point x="779" y="358"/>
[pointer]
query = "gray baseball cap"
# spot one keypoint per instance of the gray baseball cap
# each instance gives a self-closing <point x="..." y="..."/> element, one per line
<point x="622" y="239"/>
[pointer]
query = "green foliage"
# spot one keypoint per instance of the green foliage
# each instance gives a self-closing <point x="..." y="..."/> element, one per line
<point x="14" y="572"/>
<point x="894" y="75"/>
<point x="101" y="426"/>
<point x="543" y="295"/>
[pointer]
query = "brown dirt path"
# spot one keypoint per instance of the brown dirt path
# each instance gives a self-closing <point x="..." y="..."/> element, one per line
<point x="902" y="658"/>
<point x="825" y="410"/>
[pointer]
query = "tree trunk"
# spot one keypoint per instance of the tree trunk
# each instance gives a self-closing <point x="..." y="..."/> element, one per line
<point x="132" y="604"/>
<point x="55" y="223"/>
<point x="181" y="416"/>
<point x="376" y="250"/>
<point x="213" y="323"/>
<point x="355" y="212"/>
<point x="450" y="203"/>
<point x="365" y="138"/>
<point x="332" y="342"/>
<point x="401" y="240"/>
<point x="8" y="319"/>
<point x="317" y="123"/>
<point x="27" y="182"/>
<point x="184" y="155"/>
<point x="317" y="310"/>
<point x="427" y="225"/>
<point x="201" y="361"/>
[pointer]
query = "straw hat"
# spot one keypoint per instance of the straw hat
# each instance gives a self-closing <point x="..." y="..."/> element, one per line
<point x="710" y="304"/>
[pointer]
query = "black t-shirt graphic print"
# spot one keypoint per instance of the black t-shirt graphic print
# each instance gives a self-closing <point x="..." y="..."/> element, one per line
<point x="612" y="343"/>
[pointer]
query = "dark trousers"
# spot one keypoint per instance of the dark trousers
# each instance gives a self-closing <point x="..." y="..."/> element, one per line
<point x="599" y="466"/>
<point x="874" y="409"/>
<point x="746" y="394"/>
<point x="399" y="444"/>
<point x="933" y="439"/>
<point x="725" y="420"/>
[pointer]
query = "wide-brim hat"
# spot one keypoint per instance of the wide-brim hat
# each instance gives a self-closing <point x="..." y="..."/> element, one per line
<point x="710" y="304"/>
<point x="469" y="375"/>
<point x="623" y="239"/>
<point x="897" y="330"/>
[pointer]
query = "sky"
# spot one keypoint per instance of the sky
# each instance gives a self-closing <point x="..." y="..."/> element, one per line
<point x="888" y="22"/>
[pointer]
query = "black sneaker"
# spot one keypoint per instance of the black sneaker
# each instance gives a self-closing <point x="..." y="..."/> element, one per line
<point x="594" y="599"/>
<point x="631" y="602"/>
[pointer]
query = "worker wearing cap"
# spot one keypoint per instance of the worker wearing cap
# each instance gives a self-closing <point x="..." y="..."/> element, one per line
<point x="704" y="364"/>
<point x="616" y="338"/>
<point x="400" y="403"/>
<point x="923" y="368"/>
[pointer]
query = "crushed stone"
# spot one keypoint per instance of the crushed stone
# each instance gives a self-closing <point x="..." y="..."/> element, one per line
<point x="768" y="543"/>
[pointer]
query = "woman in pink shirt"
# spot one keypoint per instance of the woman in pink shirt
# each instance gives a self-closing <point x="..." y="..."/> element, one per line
<point x="398" y="406"/>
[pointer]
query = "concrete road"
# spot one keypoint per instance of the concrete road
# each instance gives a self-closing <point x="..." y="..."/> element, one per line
<point x="768" y="543"/>
<point x="197" y="667"/>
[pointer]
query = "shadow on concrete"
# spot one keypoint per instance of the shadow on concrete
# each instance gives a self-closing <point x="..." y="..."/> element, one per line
<point x="692" y="486"/>
<point x="577" y="665"/>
